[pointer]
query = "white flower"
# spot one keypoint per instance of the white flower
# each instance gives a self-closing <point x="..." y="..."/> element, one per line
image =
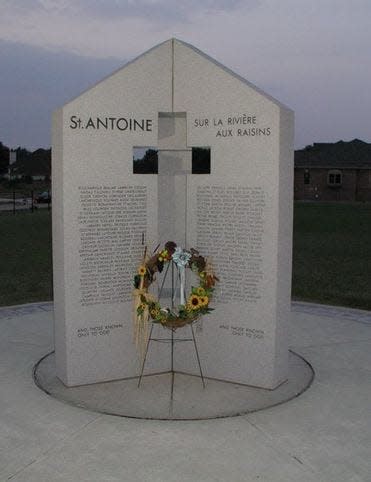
<point x="181" y="257"/>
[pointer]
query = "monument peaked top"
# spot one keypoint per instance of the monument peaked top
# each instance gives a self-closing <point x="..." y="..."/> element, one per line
<point x="173" y="42"/>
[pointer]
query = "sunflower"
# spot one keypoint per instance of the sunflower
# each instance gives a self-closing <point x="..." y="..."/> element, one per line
<point x="194" y="302"/>
<point x="204" y="300"/>
<point x="141" y="308"/>
<point x="155" y="313"/>
<point x="142" y="270"/>
<point x="200" y="291"/>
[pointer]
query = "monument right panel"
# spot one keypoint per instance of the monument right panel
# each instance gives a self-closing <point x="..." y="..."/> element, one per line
<point x="241" y="216"/>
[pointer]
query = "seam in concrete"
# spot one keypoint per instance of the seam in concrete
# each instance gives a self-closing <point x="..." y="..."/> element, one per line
<point x="172" y="74"/>
<point x="329" y="311"/>
<point x="335" y="343"/>
<point x="277" y="447"/>
<point x="60" y="443"/>
<point x="7" y="312"/>
<point x="215" y="417"/>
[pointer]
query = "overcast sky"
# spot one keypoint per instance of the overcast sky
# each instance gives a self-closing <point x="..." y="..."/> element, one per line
<point x="312" y="55"/>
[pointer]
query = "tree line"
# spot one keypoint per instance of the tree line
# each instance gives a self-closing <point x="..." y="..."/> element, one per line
<point x="28" y="163"/>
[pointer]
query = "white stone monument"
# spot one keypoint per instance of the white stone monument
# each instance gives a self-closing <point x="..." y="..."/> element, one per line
<point x="172" y="98"/>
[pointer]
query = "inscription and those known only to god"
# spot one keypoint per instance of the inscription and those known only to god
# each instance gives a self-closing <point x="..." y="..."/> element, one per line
<point x="230" y="227"/>
<point x="112" y="221"/>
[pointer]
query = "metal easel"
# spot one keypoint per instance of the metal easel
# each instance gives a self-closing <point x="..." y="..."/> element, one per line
<point x="171" y="340"/>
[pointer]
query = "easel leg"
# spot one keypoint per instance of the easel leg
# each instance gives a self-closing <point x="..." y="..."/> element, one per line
<point x="172" y="333"/>
<point x="145" y="356"/>
<point x="163" y="282"/>
<point x="172" y="365"/>
<point x="198" y="357"/>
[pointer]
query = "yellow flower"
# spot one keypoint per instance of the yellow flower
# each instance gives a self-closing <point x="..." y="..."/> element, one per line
<point x="194" y="302"/>
<point x="155" y="312"/>
<point x="141" y="308"/>
<point x="202" y="274"/>
<point x="163" y="255"/>
<point x="142" y="270"/>
<point x="200" y="291"/>
<point x="204" y="300"/>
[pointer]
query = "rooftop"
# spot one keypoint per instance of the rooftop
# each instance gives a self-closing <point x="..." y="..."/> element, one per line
<point x="355" y="154"/>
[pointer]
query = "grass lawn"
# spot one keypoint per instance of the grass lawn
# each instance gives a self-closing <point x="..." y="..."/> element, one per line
<point x="331" y="265"/>
<point x="22" y="187"/>
<point x="332" y="254"/>
<point x="25" y="262"/>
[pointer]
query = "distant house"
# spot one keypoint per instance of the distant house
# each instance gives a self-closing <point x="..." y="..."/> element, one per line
<point x="338" y="171"/>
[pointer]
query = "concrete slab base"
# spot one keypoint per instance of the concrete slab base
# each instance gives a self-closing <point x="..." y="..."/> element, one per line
<point x="323" y="435"/>
<point x="152" y="400"/>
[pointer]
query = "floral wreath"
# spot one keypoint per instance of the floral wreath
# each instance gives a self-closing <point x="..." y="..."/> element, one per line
<point x="148" y="308"/>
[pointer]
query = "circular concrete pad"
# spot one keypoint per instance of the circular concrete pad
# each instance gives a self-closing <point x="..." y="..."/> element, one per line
<point x="190" y="400"/>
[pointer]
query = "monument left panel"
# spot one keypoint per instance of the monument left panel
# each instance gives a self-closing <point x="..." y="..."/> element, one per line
<point x="58" y="246"/>
<point x="103" y="216"/>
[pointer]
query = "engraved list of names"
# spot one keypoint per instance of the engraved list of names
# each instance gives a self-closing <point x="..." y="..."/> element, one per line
<point x="230" y="225"/>
<point x="112" y="222"/>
